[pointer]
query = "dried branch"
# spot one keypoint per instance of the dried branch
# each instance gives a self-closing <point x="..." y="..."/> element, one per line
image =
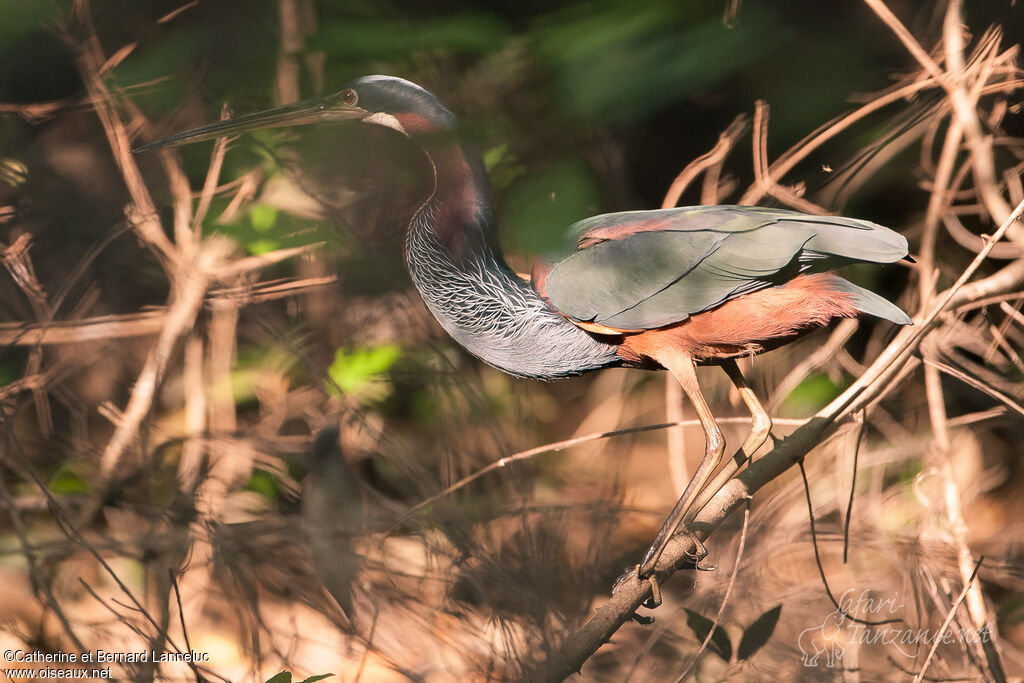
<point x="149" y="322"/>
<point x="143" y="216"/>
<point x="711" y="159"/>
<point x="949" y="618"/>
<point x="90" y="329"/>
<point x="181" y="317"/>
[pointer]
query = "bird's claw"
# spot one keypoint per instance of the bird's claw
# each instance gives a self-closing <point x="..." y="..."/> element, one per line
<point x="696" y="558"/>
<point x="654" y="601"/>
<point x="651" y="602"/>
<point x="648" y="576"/>
<point x="700" y="551"/>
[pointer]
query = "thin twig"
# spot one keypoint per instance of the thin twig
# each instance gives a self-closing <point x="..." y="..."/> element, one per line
<point x="980" y="386"/>
<point x="949" y="618"/>
<point x="71" y="532"/>
<point x="149" y="322"/>
<point x="556" y="446"/>
<point x="77" y="331"/>
<point x="785" y="163"/>
<point x="713" y="158"/>
<point x="725" y="598"/>
<point x="888" y="363"/>
<point x="220" y="147"/>
<point x="41" y="584"/>
<point x="853" y="484"/>
<point x="144" y="217"/>
<point x="821" y="355"/>
<point x="181" y="618"/>
<point x="817" y="558"/>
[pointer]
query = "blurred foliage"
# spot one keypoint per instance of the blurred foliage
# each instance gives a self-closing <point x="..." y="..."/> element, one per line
<point x="366" y="38"/>
<point x="536" y="210"/>
<point x="264" y="483"/>
<point x="619" y="62"/>
<point x="359" y="372"/>
<point x="67" y="482"/>
<point x="813" y="394"/>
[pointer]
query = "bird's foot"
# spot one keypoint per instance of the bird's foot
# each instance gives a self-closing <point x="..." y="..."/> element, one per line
<point x="644" y="573"/>
<point x="651" y="580"/>
<point x="655" y="600"/>
<point x="700" y="551"/>
<point x="634" y="575"/>
<point x="651" y="602"/>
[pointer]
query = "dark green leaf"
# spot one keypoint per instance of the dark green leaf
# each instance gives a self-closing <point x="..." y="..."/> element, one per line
<point x="701" y="626"/>
<point x="283" y="677"/>
<point x="320" y="677"/>
<point x="758" y="633"/>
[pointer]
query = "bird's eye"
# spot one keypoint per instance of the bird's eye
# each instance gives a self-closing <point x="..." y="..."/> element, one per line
<point x="349" y="97"/>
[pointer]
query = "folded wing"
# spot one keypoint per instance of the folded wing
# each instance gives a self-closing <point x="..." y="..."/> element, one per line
<point x="648" y="269"/>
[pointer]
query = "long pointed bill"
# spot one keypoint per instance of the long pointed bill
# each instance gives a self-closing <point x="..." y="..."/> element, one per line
<point x="314" y="110"/>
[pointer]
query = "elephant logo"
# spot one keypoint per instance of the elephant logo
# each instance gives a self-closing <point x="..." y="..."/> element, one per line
<point x="823" y="640"/>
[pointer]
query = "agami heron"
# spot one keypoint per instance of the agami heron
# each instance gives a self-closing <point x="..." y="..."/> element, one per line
<point x="667" y="289"/>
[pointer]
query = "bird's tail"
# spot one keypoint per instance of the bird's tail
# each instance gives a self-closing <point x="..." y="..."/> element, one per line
<point x="853" y="239"/>
<point x="868" y="302"/>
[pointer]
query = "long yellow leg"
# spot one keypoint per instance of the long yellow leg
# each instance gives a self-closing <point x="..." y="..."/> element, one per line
<point x="760" y="428"/>
<point x="683" y="369"/>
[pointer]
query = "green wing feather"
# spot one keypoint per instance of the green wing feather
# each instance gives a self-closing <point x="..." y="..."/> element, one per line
<point x="648" y="269"/>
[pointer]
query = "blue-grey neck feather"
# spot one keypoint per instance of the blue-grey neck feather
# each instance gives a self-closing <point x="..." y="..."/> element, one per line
<point x="486" y="307"/>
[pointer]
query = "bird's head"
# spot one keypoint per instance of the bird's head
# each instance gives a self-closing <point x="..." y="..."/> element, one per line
<point x="383" y="100"/>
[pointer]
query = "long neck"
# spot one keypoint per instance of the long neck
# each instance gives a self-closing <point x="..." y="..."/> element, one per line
<point x="456" y="265"/>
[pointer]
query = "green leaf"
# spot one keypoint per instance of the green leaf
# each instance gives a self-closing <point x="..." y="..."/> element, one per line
<point x="503" y="167"/>
<point x="494" y="156"/>
<point x="354" y="371"/>
<point x="65" y="482"/>
<point x="812" y="394"/>
<point x="262" y="246"/>
<point x="263" y="483"/>
<point x="758" y="633"/>
<point x="265" y="228"/>
<point x="701" y="626"/>
<point x="263" y="217"/>
<point x="283" y="677"/>
<point x="320" y="677"/>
